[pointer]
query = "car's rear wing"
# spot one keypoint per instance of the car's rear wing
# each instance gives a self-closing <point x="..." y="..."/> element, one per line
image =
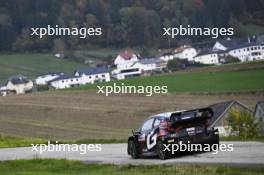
<point x="194" y="115"/>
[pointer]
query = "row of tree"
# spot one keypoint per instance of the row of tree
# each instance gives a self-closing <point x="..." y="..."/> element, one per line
<point x="129" y="23"/>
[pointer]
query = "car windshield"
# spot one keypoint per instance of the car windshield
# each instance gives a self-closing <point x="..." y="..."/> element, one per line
<point x="147" y="125"/>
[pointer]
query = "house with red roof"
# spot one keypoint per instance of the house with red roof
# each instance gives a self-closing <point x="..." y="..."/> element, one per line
<point x="126" y="59"/>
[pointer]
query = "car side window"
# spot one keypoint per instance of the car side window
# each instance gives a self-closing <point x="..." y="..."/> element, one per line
<point x="147" y="125"/>
<point x="156" y="123"/>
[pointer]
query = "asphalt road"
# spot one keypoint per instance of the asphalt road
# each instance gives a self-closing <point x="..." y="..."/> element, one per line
<point x="244" y="154"/>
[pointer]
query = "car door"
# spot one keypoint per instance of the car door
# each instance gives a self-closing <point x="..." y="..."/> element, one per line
<point x="145" y="135"/>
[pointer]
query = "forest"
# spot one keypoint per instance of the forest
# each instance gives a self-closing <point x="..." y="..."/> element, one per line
<point x="125" y="23"/>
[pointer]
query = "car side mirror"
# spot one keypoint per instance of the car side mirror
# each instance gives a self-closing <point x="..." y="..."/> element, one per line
<point x="133" y="132"/>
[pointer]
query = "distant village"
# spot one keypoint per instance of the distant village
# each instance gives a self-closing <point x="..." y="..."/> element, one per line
<point x="130" y="64"/>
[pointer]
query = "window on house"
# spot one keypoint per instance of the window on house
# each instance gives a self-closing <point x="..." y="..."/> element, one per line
<point x="90" y="77"/>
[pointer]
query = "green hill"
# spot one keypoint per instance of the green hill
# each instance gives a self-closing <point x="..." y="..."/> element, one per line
<point x="32" y="65"/>
<point x="224" y="81"/>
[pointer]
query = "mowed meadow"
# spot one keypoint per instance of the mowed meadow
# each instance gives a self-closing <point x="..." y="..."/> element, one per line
<point x="86" y="115"/>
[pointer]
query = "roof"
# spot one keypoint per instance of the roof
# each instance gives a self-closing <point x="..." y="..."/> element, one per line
<point x="209" y="51"/>
<point x="92" y="71"/>
<point x="220" y="110"/>
<point x="128" y="54"/>
<point x="237" y="43"/>
<point x="182" y="48"/>
<point x="165" y="52"/>
<point x="151" y="60"/>
<point x="243" y="45"/>
<point x="228" y="43"/>
<point x="18" y="79"/>
<point x="64" y="77"/>
<point x="52" y="73"/>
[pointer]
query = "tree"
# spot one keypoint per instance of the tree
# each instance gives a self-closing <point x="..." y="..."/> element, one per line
<point x="59" y="46"/>
<point x="243" y="123"/>
<point x="7" y="33"/>
<point x="230" y="59"/>
<point x="130" y="23"/>
<point x="177" y="64"/>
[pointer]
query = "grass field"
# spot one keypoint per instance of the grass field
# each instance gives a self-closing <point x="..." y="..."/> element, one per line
<point x="12" y="142"/>
<point x="32" y="65"/>
<point x="9" y="142"/>
<point x="236" y="81"/>
<point x="62" y="167"/>
<point x="251" y="29"/>
<point x="85" y="115"/>
<point x="236" y="138"/>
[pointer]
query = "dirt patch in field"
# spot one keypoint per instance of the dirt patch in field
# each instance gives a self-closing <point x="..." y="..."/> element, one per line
<point x="87" y="115"/>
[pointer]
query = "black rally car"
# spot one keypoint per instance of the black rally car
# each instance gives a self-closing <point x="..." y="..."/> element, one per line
<point x="172" y="128"/>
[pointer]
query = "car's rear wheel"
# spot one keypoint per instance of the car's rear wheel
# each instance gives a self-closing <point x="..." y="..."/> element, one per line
<point x="133" y="149"/>
<point x="214" y="144"/>
<point x="163" y="154"/>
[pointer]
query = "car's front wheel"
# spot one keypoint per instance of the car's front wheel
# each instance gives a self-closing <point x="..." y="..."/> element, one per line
<point x="133" y="149"/>
<point x="163" y="154"/>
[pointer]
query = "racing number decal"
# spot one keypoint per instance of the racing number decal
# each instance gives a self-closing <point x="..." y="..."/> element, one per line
<point x="151" y="140"/>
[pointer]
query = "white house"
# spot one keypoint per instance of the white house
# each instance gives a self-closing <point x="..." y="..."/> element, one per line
<point x="44" y="79"/>
<point x="19" y="84"/>
<point x="66" y="81"/>
<point x="140" y="67"/>
<point x="3" y="91"/>
<point x="166" y="54"/>
<point x="126" y="59"/>
<point x="121" y="74"/>
<point x="244" y="50"/>
<point x="248" y="52"/>
<point x="207" y="57"/>
<point x="92" y="75"/>
<point x="185" y="52"/>
<point x="81" y="77"/>
<point x="151" y="64"/>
